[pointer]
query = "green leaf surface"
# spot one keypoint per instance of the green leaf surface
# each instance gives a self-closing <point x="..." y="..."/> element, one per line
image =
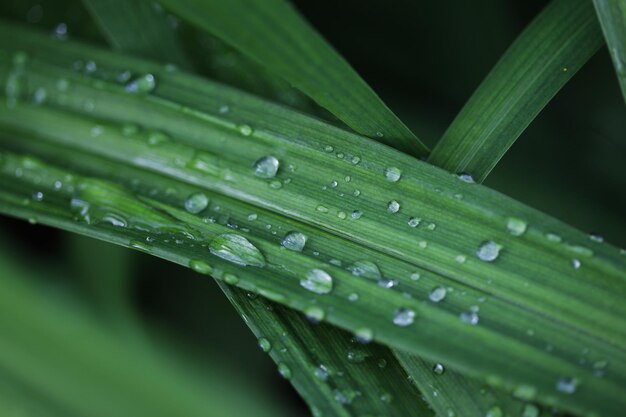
<point x="612" y="16"/>
<point x="139" y="27"/>
<point x="273" y="33"/>
<point x="541" y="60"/>
<point x="532" y="307"/>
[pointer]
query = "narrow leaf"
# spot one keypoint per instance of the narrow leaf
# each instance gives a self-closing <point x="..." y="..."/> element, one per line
<point x="274" y="34"/>
<point x="541" y="60"/>
<point x="612" y="16"/>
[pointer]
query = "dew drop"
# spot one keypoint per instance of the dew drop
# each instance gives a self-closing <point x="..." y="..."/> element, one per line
<point x="197" y="202"/>
<point x="266" y="167"/>
<point x="466" y="178"/>
<point x="460" y="259"/>
<point x="437" y="294"/>
<point x="314" y="314"/>
<point x="596" y="237"/>
<point x="356" y="214"/>
<point x="245" y="130"/>
<point x="317" y="281"/>
<point x="438" y="369"/>
<point x="470" y="317"/>
<point x="365" y="269"/>
<point x="393" y="206"/>
<point x="265" y="344"/>
<point x="294" y="241"/>
<point x="322" y="209"/>
<point x="567" y="385"/>
<point x="392" y="174"/>
<point x="364" y="335"/>
<point x="230" y="279"/>
<point x="576" y="263"/>
<point x="200" y="267"/>
<point x="328" y="148"/>
<point x="403" y="317"/>
<point x="236" y="249"/>
<point x="143" y="84"/>
<point x="414" y="221"/>
<point x="321" y="372"/>
<point x="516" y="226"/>
<point x="488" y="251"/>
<point x="284" y="370"/>
<point x="415" y="276"/>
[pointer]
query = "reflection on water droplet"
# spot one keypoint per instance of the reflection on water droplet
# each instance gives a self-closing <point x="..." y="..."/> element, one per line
<point x="196" y="203"/>
<point x="236" y="249"/>
<point x="317" y="281"/>
<point x="403" y="317"/>
<point x="488" y="251"/>
<point x="266" y="167"/>
<point x="576" y="263"/>
<point x="392" y="174"/>
<point x="294" y="241"/>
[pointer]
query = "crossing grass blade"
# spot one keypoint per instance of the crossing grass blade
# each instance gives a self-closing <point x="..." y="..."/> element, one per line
<point x="276" y="36"/>
<point x="541" y="60"/>
<point x="612" y="16"/>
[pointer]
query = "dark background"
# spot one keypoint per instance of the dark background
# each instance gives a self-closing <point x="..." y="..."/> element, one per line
<point x="424" y="58"/>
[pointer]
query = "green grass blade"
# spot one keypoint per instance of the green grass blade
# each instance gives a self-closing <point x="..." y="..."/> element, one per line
<point x="275" y="35"/>
<point x="334" y="373"/>
<point x="541" y="60"/>
<point x="612" y="16"/>
<point x="530" y="298"/>
<point x="138" y="27"/>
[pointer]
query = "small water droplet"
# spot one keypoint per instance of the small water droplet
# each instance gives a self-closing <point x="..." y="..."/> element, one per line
<point x="364" y="335"/>
<point x="236" y="249"/>
<point x="596" y="237"/>
<point x="414" y="221"/>
<point x="284" y="370"/>
<point x="321" y="372"/>
<point x="392" y="174"/>
<point x="60" y="31"/>
<point x="355" y="160"/>
<point x="266" y="167"/>
<point x="552" y="237"/>
<point x="470" y="317"/>
<point x="143" y="84"/>
<point x="438" y="369"/>
<point x="200" y="267"/>
<point x="415" y="276"/>
<point x="403" y="317"/>
<point x="353" y="297"/>
<point x="466" y="178"/>
<point x="294" y="241"/>
<point x="516" y="226"/>
<point x="387" y="283"/>
<point x="317" y="281"/>
<point x="328" y="148"/>
<point x="365" y="269"/>
<point x="322" y="209"/>
<point x="460" y="259"/>
<point x="230" y="279"/>
<point x="265" y="344"/>
<point x="488" y="251"/>
<point x="356" y="214"/>
<point x="393" y="206"/>
<point x="196" y="202"/>
<point x="314" y="314"/>
<point x="245" y="130"/>
<point x="494" y="411"/>
<point x="567" y="385"/>
<point x="386" y="398"/>
<point x="576" y="263"/>
<point x="437" y="294"/>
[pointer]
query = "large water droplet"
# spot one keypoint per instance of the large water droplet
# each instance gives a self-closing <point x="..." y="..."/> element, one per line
<point x="365" y="269"/>
<point x="516" y="226"/>
<point x="488" y="251"/>
<point x="265" y="344"/>
<point x="392" y="174"/>
<point x="266" y="167"/>
<point x="437" y="294"/>
<point x="403" y="317"/>
<point x="143" y="84"/>
<point x="294" y="241"/>
<point x="317" y="281"/>
<point x="196" y="203"/>
<point x="567" y="385"/>
<point x="236" y="249"/>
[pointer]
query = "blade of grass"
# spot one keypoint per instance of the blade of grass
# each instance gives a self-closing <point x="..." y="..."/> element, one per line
<point x="535" y="67"/>
<point x="272" y="33"/>
<point x="612" y="16"/>
<point x="369" y="171"/>
<point x="139" y="27"/>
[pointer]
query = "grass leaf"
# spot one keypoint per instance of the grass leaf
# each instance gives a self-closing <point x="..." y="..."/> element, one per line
<point x="273" y="33"/>
<point x="541" y="60"/>
<point x="612" y="16"/>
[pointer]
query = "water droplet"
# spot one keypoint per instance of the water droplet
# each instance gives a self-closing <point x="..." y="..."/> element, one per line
<point x="530" y="410"/>
<point x="403" y="317"/>
<point x="438" y="369"/>
<point x="322" y="209"/>
<point x="414" y="221"/>
<point x="576" y="263"/>
<point x="333" y="184"/>
<point x="245" y="130"/>
<point x="266" y="167"/>
<point x="230" y="279"/>
<point x="393" y="206"/>
<point x="460" y="259"/>
<point x="516" y="226"/>
<point x="364" y="335"/>
<point x="552" y="237"/>
<point x="356" y="214"/>
<point x="314" y="314"/>
<point x="60" y="31"/>
<point x="470" y="317"/>
<point x="224" y="108"/>
<point x="328" y="148"/>
<point x="353" y="297"/>
<point x="200" y="267"/>
<point x="387" y="283"/>
<point x="488" y="251"/>
<point x="317" y="281"/>
<point x="284" y="370"/>
<point x="525" y="392"/>
<point x="365" y="269"/>
<point x="466" y="178"/>
<point x="294" y="241"/>
<point x="265" y="344"/>
<point x="596" y="237"/>
<point x="143" y="84"/>
<point x="567" y="385"/>
<point x="415" y="276"/>
<point x="135" y="244"/>
<point x="392" y="174"/>
<point x="437" y="294"/>
<point x="236" y="249"/>
<point x="321" y="372"/>
<point x="386" y="398"/>
<point x="494" y="411"/>
<point x="196" y="203"/>
<point x="276" y="184"/>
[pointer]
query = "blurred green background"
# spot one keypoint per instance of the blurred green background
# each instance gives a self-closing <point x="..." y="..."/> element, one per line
<point x="72" y="308"/>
